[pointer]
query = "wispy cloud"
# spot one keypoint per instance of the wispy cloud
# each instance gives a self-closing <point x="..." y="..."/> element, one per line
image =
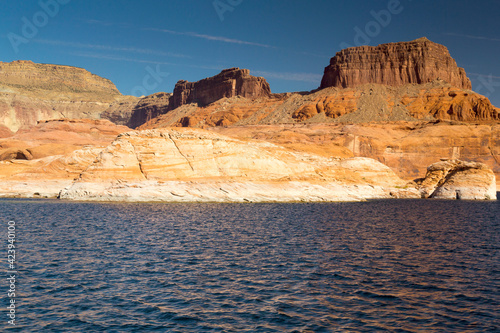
<point x="141" y="61"/>
<point x="110" y="48"/>
<point x="484" y="75"/>
<point x="118" y="58"/>
<point x="210" y="37"/>
<point x="473" y="37"/>
<point x="305" y="77"/>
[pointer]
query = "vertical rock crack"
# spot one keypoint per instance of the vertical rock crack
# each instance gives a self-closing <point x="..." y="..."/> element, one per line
<point x="180" y="152"/>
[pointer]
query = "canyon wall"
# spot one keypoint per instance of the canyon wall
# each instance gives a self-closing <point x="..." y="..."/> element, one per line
<point x="31" y="92"/>
<point x="229" y="83"/>
<point x="395" y="64"/>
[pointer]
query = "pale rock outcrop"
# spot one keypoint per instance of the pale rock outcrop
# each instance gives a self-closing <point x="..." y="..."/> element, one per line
<point x="408" y="148"/>
<point x="41" y="161"/>
<point x="395" y="64"/>
<point x="455" y="179"/>
<point x="30" y="92"/>
<point x="197" y="165"/>
<point x="44" y="177"/>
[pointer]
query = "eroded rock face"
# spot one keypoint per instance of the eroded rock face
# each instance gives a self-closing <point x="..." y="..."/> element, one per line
<point x="455" y="179"/>
<point x="135" y="112"/>
<point x="374" y="102"/>
<point x="51" y="78"/>
<point x="229" y="83"/>
<point x="197" y="165"/>
<point x="395" y="64"/>
<point x="58" y="137"/>
<point x="408" y="148"/>
<point x="41" y="161"/>
<point x="30" y="92"/>
<point x="447" y="103"/>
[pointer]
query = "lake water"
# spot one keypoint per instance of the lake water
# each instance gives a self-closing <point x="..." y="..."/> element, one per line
<point x="388" y="265"/>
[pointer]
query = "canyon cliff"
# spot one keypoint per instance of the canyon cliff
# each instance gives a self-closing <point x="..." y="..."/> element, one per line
<point x="196" y="165"/>
<point x="30" y="92"/>
<point x="399" y="110"/>
<point x="395" y="64"/>
<point x="228" y="83"/>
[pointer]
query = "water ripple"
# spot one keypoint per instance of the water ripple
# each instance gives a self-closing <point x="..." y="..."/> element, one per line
<point x="397" y="266"/>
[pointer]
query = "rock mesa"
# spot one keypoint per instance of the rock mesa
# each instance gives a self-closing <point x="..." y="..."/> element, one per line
<point x="30" y="92"/>
<point x="395" y="64"/>
<point x="229" y="83"/>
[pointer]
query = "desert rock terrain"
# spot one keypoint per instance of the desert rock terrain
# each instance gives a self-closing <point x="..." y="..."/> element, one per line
<point x="381" y="117"/>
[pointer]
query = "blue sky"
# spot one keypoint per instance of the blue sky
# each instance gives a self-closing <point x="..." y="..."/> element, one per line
<point x="147" y="46"/>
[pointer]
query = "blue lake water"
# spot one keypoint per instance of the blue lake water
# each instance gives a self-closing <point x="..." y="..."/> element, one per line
<point x="378" y="266"/>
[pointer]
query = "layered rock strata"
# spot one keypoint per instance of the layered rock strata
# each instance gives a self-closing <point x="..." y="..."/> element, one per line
<point x="366" y="103"/>
<point x="455" y="179"/>
<point x="196" y="165"/>
<point x="408" y="148"/>
<point x="30" y="92"/>
<point x="395" y="64"/>
<point x="229" y="83"/>
<point x="51" y="78"/>
<point x="137" y="112"/>
<point x="47" y="158"/>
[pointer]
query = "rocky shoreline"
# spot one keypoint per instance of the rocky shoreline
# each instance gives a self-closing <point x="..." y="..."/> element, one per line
<point x="194" y="165"/>
<point x="382" y="117"/>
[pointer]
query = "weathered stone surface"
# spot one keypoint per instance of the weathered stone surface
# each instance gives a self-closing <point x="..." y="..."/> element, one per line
<point x="149" y="108"/>
<point x="366" y="103"/>
<point x="408" y="148"/>
<point x="196" y="165"/>
<point x="229" y="83"/>
<point x="5" y="132"/>
<point x="55" y="78"/>
<point x="30" y="92"/>
<point x="455" y="179"/>
<point x="135" y="112"/>
<point x="41" y="161"/>
<point x="448" y="103"/>
<point x="396" y="64"/>
<point x="58" y="137"/>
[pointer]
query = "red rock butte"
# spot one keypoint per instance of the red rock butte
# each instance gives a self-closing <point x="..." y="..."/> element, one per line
<point x="229" y="83"/>
<point x="395" y="64"/>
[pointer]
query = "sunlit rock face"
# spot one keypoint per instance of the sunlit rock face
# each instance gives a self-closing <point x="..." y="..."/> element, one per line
<point x="455" y="179"/>
<point x="229" y="83"/>
<point x="30" y="92"/>
<point x="395" y="64"/>
<point x="198" y="165"/>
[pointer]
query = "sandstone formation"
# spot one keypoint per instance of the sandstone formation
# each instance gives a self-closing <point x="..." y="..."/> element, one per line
<point x="366" y="103"/>
<point x="58" y="138"/>
<point x="55" y="78"/>
<point x="135" y="113"/>
<point x="408" y="148"/>
<point x="5" y="132"/>
<point x="395" y="64"/>
<point x="399" y="105"/>
<point x="196" y="165"/>
<point x="229" y="83"/>
<point x="455" y="179"/>
<point x="41" y="161"/>
<point x="447" y="103"/>
<point x="30" y="92"/>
